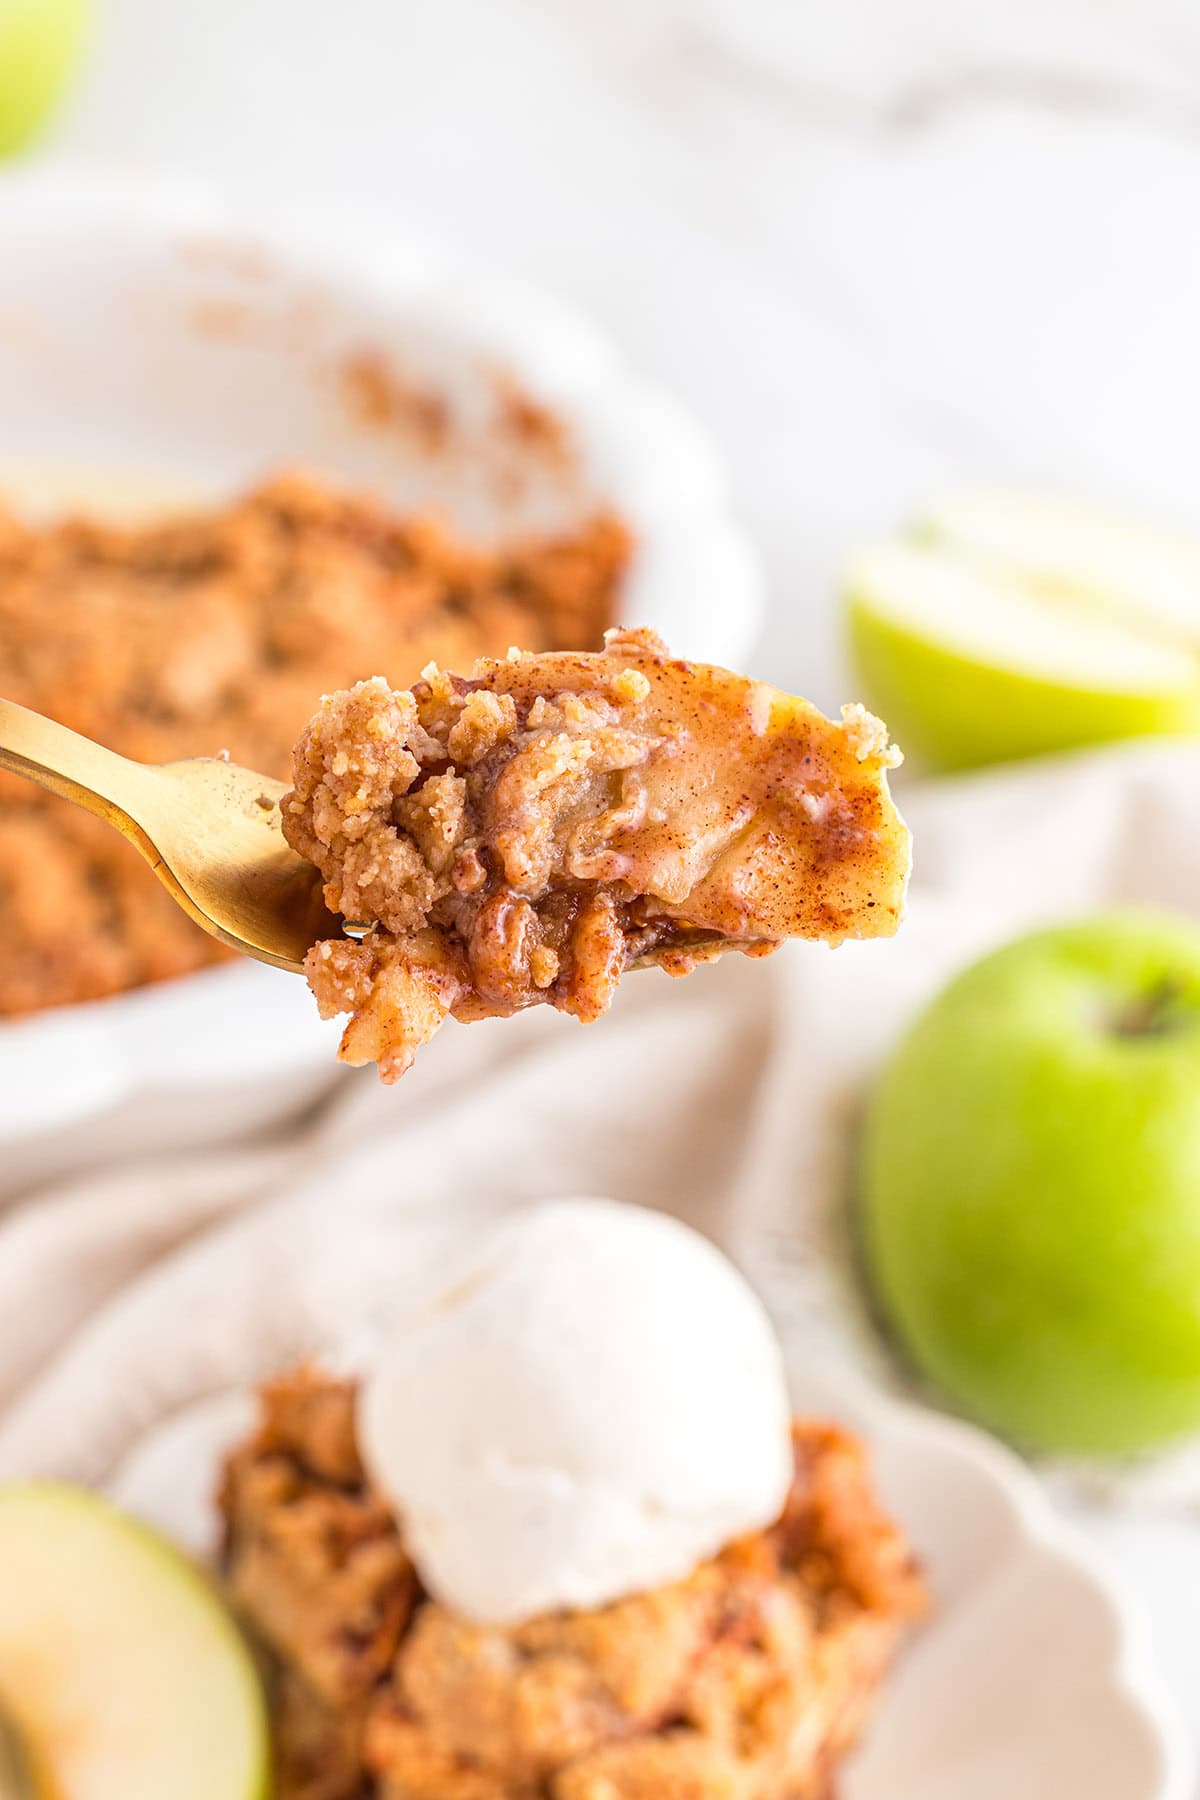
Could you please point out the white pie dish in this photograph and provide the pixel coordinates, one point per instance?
(1029, 1679)
(154, 341)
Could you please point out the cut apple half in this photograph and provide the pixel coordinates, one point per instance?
(121, 1672)
(1143, 575)
(1001, 627)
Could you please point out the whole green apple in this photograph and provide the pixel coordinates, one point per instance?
(1001, 626)
(39, 43)
(1030, 1186)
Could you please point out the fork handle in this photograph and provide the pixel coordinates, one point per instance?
(67, 763)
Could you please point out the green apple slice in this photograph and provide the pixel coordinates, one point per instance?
(1001, 628)
(1144, 575)
(122, 1671)
(40, 42)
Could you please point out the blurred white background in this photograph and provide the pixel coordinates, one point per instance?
(879, 247)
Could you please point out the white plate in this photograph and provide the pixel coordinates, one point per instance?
(156, 342)
(1027, 1683)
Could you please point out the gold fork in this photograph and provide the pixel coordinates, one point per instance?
(209, 829)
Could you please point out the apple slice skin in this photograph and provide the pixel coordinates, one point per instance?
(27, 1508)
(1029, 1195)
(952, 713)
(40, 41)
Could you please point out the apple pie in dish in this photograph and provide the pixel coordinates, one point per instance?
(747, 1680)
(528, 833)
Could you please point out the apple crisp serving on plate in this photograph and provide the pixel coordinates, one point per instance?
(528, 833)
(744, 1681)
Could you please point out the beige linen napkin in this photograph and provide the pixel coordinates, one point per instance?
(136, 1306)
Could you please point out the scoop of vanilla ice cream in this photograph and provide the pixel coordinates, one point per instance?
(586, 1404)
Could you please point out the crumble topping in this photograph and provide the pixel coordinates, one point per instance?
(215, 632)
(745, 1681)
(527, 833)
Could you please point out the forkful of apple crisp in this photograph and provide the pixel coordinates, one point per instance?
(521, 835)
(528, 833)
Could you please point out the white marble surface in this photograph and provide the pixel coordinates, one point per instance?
(878, 246)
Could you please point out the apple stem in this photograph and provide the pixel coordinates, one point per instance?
(1154, 1013)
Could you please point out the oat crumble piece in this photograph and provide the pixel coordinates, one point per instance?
(527, 833)
(745, 1681)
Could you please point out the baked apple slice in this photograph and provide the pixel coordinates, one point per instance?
(528, 833)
